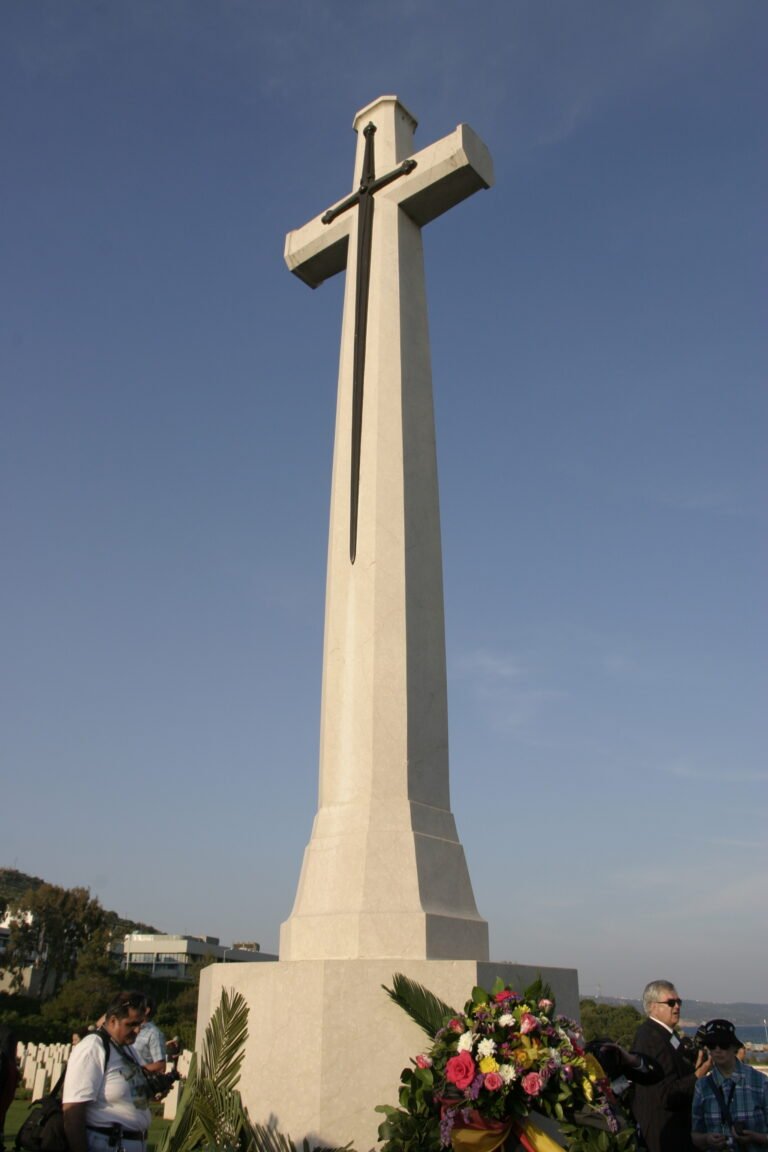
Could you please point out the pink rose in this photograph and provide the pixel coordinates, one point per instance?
(456, 1025)
(532, 1084)
(423, 1062)
(528, 1023)
(500, 997)
(460, 1070)
(545, 1005)
(492, 1081)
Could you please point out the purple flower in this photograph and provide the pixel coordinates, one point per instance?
(474, 1089)
(446, 1127)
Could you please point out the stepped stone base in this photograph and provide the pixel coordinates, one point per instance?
(326, 1044)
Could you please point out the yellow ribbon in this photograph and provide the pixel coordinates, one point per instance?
(538, 1138)
(477, 1140)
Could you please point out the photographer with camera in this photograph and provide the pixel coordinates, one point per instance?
(730, 1105)
(663, 1110)
(106, 1094)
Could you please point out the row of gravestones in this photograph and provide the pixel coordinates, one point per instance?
(41, 1066)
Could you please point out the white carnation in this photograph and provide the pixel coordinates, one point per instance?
(507, 1020)
(486, 1047)
(508, 1072)
(465, 1042)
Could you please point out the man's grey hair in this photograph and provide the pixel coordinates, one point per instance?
(656, 990)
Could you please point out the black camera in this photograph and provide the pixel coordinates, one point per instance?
(700, 1038)
(160, 1083)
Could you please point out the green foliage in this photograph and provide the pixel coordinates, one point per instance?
(14, 885)
(50, 928)
(79, 1003)
(538, 990)
(618, 1022)
(522, 1030)
(424, 1008)
(224, 1043)
(211, 1113)
(590, 1139)
(415, 1125)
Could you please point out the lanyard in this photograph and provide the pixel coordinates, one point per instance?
(725, 1105)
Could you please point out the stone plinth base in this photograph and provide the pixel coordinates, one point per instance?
(326, 1044)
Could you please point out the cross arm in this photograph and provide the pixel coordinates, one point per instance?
(318, 251)
(445, 174)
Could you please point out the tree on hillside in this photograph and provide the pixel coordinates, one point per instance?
(617, 1022)
(50, 925)
(82, 999)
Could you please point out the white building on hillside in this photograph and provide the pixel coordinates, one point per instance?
(171, 957)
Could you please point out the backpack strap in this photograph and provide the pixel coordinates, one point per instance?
(103, 1035)
(105, 1039)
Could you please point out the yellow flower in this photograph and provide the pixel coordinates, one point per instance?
(522, 1057)
(488, 1064)
(587, 1087)
(594, 1070)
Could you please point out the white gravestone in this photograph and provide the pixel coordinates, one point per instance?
(384, 886)
(40, 1085)
(30, 1071)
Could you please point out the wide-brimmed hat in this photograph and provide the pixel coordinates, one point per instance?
(721, 1033)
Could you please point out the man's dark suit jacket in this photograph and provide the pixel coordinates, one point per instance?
(663, 1110)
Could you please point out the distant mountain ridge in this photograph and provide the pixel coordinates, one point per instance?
(13, 885)
(697, 1011)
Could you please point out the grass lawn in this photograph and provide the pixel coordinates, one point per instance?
(19, 1109)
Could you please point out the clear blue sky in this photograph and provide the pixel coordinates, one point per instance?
(599, 355)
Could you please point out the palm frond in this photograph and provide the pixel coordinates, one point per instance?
(224, 1042)
(423, 1007)
(221, 1115)
(176, 1136)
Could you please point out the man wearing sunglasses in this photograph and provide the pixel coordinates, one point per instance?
(663, 1110)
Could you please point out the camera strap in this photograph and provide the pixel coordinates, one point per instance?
(725, 1105)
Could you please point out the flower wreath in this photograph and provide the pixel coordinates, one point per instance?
(489, 1067)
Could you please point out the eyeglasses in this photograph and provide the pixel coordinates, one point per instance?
(133, 1002)
(673, 1002)
(723, 1045)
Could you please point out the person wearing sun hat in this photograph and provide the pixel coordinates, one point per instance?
(730, 1105)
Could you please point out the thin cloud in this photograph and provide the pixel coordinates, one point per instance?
(489, 665)
(711, 502)
(684, 770)
(502, 688)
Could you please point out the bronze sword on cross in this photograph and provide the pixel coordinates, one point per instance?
(363, 198)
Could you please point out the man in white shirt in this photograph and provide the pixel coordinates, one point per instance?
(105, 1099)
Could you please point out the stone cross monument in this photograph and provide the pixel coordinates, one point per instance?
(384, 873)
(384, 886)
